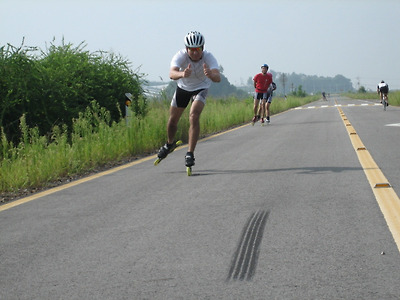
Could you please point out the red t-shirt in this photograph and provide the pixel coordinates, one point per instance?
(262, 82)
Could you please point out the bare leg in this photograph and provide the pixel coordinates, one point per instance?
(262, 109)
(194, 119)
(267, 108)
(255, 109)
(175, 114)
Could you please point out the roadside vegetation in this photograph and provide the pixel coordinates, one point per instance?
(52, 86)
(34, 161)
(62, 115)
(394, 96)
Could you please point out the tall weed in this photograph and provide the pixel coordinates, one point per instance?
(96, 139)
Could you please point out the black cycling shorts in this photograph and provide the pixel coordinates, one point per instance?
(182, 97)
(384, 89)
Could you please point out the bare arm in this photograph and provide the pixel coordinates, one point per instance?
(175, 74)
(213, 74)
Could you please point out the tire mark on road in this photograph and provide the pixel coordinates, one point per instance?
(245, 259)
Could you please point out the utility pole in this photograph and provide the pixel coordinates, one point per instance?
(283, 80)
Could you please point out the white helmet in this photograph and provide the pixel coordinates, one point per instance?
(194, 39)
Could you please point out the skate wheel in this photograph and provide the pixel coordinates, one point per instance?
(189, 171)
(178, 143)
(157, 161)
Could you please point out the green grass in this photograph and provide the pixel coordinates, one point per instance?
(95, 141)
(394, 97)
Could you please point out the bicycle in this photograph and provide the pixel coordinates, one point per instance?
(384, 101)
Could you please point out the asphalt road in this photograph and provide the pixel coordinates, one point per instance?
(282, 211)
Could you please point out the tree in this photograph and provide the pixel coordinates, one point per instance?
(362, 90)
(283, 79)
(250, 81)
(299, 92)
(313, 84)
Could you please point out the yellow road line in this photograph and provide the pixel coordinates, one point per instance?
(385, 195)
(86, 179)
(100, 174)
(74, 183)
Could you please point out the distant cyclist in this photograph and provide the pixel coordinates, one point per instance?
(383, 90)
(324, 96)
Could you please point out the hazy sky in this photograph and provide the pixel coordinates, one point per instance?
(359, 39)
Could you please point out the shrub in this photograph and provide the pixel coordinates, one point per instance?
(51, 87)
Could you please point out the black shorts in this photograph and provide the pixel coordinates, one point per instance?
(269, 96)
(384, 89)
(260, 96)
(264, 96)
(182, 98)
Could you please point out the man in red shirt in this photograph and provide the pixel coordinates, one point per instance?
(262, 82)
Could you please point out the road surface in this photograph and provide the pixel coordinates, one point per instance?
(283, 211)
